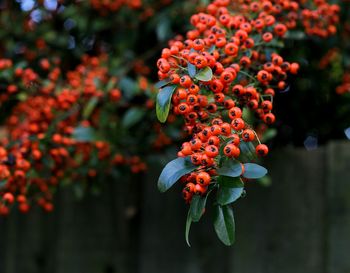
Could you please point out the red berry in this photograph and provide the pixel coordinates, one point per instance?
(261, 150)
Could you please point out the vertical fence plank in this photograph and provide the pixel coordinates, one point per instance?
(281, 228)
(24, 252)
(339, 207)
(163, 247)
(94, 233)
(83, 236)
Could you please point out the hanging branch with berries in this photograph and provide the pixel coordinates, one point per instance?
(228, 66)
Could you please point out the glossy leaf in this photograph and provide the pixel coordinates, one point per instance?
(163, 29)
(162, 83)
(269, 134)
(295, 35)
(254, 171)
(224, 224)
(90, 107)
(230, 182)
(265, 181)
(191, 70)
(226, 195)
(188, 227)
(211, 49)
(84, 134)
(163, 102)
(205, 74)
(231, 168)
(173, 171)
(129, 87)
(3, 184)
(197, 207)
(132, 117)
(247, 151)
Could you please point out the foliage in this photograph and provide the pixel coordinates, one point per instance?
(76, 94)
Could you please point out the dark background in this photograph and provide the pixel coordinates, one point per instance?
(298, 224)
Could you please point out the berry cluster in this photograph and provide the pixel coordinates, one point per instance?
(322, 20)
(70, 112)
(227, 66)
(51, 135)
(114, 5)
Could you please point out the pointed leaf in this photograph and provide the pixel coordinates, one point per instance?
(197, 207)
(2, 184)
(265, 181)
(227, 195)
(295, 35)
(268, 135)
(254, 171)
(230, 182)
(129, 87)
(163, 29)
(163, 102)
(230, 167)
(162, 83)
(247, 151)
(224, 224)
(173, 171)
(191, 70)
(205, 74)
(132, 116)
(211, 49)
(188, 227)
(90, 107)
(84, 134)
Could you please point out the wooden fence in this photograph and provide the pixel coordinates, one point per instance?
(300, 224)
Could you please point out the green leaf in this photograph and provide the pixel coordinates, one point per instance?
(230, 182)
(247, 115)
(224, 224)
(84, 134)
(21, 64)
(248, 53)
(191, 70)
(227, 195)
(205, 74)
(265, 181)
(295, 35)
(6, 74)
(188, 227)
(132, 117)
(129, 87)
(231, 168)
(197, 207)
(22, 96)
(89, 108)
(2, 184)
(163, 29)
(162, 83)
(254, 171)
(99, 25)
(269, 134)
(247, 151)
(276, 43)
(163, 102)
(211, 49)
(173, 171)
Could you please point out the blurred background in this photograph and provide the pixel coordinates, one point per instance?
(91, 205)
